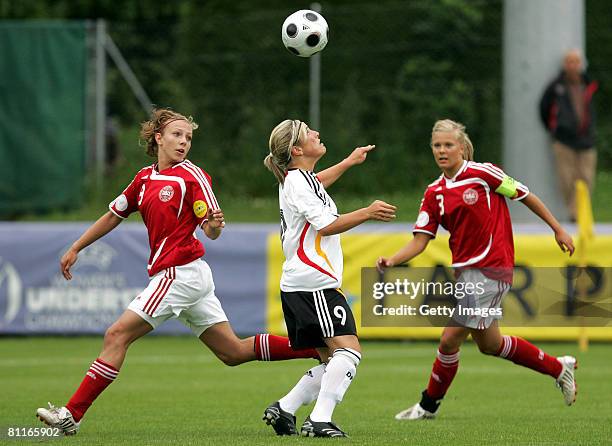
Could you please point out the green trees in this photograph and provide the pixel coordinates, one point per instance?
(391, 68)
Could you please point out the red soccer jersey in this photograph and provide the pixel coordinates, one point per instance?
(172, 203)
(476, 217)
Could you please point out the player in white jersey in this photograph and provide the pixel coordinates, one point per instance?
(316, 312)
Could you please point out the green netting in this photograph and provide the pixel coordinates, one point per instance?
(42, 115)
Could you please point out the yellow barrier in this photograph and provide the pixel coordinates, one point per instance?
(363, 249)
(584, 214)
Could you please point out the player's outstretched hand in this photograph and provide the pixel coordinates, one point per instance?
(216, 220)
(360, 154)
(382, 263)
(379, 210)
(565, 242)
(66, 262)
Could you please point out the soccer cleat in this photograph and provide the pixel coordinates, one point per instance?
(566, 381)
(281, 421)
(321, 429)
(415, 412)
(58, 417)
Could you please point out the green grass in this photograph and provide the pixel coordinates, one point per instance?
(173, 391)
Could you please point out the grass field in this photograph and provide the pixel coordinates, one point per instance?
(173, 391)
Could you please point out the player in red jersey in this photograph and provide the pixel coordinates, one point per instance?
(174, 197)
(469, 200)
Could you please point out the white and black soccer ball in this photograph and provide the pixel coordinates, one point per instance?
(305, 33)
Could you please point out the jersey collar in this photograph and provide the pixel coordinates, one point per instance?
(459, 172)
(156, 166)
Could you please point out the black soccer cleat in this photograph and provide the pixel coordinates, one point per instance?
(321, 429)
(281, 421)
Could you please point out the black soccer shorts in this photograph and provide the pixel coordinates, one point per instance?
(313, 315)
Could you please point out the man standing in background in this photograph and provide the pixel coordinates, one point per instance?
(567, 112)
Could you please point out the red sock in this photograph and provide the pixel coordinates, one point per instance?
(444, 370)
(97, 378)
(278, 348)
(526, 354)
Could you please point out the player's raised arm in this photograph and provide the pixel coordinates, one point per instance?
(537, 206)
(100, 228)
(331, 174)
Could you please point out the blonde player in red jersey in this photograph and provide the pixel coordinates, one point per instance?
(469, 200)
(174, 197)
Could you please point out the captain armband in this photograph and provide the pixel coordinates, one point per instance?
(508, 187)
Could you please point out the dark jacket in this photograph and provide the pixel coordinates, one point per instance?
(558, 115)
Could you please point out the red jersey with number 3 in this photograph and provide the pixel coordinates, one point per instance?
(173, 203)
(476, 217)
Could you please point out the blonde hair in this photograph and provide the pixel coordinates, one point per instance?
(160, 118)
(447, 125)
(283, 138)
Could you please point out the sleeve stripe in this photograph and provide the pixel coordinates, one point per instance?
(110, 208)
(204, 184)
(310, 182)
(491, 172)
(198, 171)
(318, 186)
(199, 180)
(495, 168)
(520, 197)
(491, 168)
(522, 187)
(426, 232)
(488, 170)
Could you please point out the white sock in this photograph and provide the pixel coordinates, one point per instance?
(337, 378)
(305, 391)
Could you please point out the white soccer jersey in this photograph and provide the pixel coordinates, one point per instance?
(312, 262)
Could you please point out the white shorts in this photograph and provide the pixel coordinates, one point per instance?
(480, 308)
(186, 292)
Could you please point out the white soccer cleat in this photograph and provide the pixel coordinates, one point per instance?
(566, 381)
(58, 417)
(415, 412)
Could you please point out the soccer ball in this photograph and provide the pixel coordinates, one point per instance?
(305, 33)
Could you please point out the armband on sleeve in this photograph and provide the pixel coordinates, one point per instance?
(508, 187)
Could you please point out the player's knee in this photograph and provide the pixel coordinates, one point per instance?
(488, 349)
(349, 354)
(231, 359)
(448, 345)
(116, 335)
